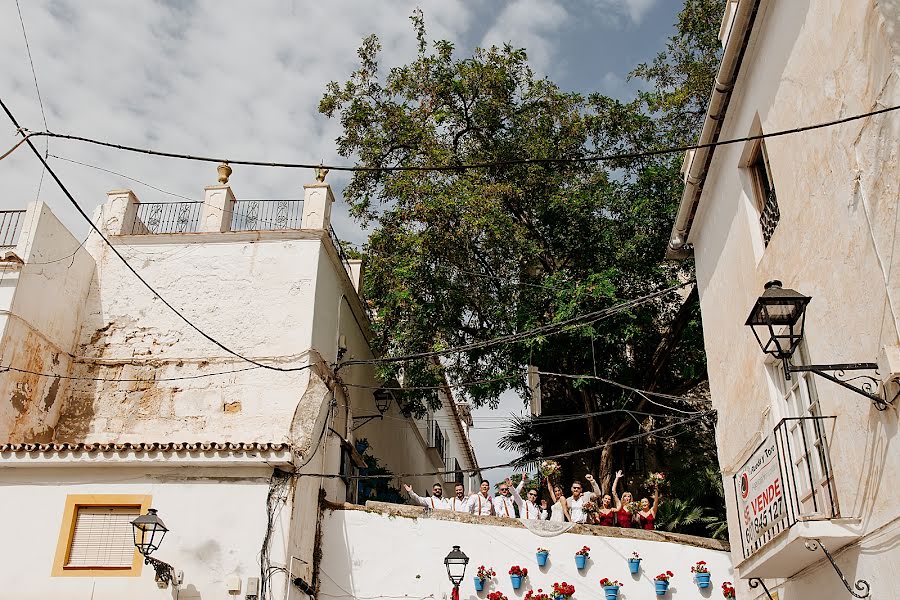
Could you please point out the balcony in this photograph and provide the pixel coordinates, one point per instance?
(435, 442)
(10, 227)
(452, 473)
(785, 496)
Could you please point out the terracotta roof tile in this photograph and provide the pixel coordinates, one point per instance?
(97, 447)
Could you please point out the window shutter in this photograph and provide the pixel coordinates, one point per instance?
(103, 537)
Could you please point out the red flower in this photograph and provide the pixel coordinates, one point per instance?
(517, 570)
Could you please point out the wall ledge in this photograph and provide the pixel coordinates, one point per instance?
(417, 512)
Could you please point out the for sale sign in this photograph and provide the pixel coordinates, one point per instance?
(760, 492)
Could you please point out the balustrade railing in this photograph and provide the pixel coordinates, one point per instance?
(452, 474)
(263, 215)
(166, 217)
(342, 254)
(10, 227)
(787, 479)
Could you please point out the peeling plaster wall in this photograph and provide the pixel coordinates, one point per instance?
(216, 519)
(41, 311)
(367, 555)
(837, 239)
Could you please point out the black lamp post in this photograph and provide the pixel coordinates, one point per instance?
(777, 320)
(383, 400)
(456, 563)
(149, 531)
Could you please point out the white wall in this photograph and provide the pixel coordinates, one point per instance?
(216, 520)
(366, 554)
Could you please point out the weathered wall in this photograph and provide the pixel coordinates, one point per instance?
(216, 520)
(367, 554)
(40, 318)
(837, 190)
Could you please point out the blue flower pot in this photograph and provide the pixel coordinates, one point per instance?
(516, 581)
(702, 579)
(634, 565)
(479, 584)
(580, 559)
(661, 587)
(612, 592)
(542, 558)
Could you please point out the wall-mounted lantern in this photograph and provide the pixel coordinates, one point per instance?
(149, 531)
(383, 399)
(777, 320)
(456, 563)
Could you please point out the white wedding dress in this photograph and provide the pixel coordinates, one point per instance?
(556, 513)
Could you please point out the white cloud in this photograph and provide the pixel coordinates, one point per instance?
(530, 24)
(613, 11)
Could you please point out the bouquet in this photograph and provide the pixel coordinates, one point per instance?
(664, 576)
(585, 551)
(607, 582)
(549, 468)
(539, 595)
(562, 590)
(635, 556)
(589, 508)
(498, 595)
(700, 567)
(633, 507)
(655, 479)
(728, 590)
(517, 570)
(485, 572)
(539, 550)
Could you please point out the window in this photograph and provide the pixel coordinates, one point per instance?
(766, 201)
(96, 536)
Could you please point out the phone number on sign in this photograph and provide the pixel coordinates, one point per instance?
(764, 520)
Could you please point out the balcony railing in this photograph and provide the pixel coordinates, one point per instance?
(452, 473)
(342, 254)
(166, 217)
(787, 479)
(262, 215)
(10, 227)
(435, 437)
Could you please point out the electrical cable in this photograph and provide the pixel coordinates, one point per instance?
(4, 368)
(469, 166)
(115, 251)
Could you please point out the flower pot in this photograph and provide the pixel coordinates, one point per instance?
(479, 584)
(612, 592)
(542, 558)
(580, 559)
(516, 581)
(702, 579)
(661, 587)
(634, 565)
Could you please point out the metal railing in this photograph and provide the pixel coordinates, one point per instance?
(452, 473)
(262, 215)
(788, 479)
(436, 438)
(166, 217)
(10, 227)
(769, 216)
(340, 249)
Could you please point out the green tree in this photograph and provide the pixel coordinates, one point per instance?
(465, 255)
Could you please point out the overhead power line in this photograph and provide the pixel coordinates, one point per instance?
(115, 251)
(467, 166)
(126, 380)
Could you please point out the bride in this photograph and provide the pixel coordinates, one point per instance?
(559, 512)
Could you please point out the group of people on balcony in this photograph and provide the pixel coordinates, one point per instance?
(587, 507)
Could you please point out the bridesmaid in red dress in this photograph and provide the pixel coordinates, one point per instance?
(606, 514)
(623, 516)
(647, 515)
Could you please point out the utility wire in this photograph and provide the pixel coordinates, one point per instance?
(132, 269)
(31, 62)
(4, 368)
(469, 166)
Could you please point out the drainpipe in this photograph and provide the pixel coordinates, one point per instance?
(697, 161)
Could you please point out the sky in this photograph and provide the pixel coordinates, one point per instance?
(244, 79)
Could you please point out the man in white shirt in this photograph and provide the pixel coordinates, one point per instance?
(435, 502)
(459, 502)
(579, 497)
(481, 504)
(504, 506)
(528, 508)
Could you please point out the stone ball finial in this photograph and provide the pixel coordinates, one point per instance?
(224, 173)
(321, 172)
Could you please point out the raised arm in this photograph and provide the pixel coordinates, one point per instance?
(550, 489)
(616, 493)
(594, 485)
(517, 492)
(415, 497)
(655, 500)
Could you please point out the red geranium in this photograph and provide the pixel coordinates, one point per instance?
(485, 572)
(728, 590)
(562, 590)
(664, 576)
(585, 552)
(700, 567)
(517, 570)
(539, 595)
(498, 595)
(607, 582)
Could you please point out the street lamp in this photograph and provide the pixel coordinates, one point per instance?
(383, 398)
(777, 321)
(149, 531)
(456, 563)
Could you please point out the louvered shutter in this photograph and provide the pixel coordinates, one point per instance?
(103, 537)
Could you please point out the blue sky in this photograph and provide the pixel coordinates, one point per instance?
(243, 79)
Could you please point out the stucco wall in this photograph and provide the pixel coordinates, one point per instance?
(216, 520)
(42, 308)
(837, 191)
(367, 554)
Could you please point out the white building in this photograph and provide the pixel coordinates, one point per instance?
(113, 404)
(817, 210)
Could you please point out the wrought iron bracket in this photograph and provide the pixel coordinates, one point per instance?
(860, 584)
(363, 419)
(165, 573)
(867, 387)
(755, 582)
